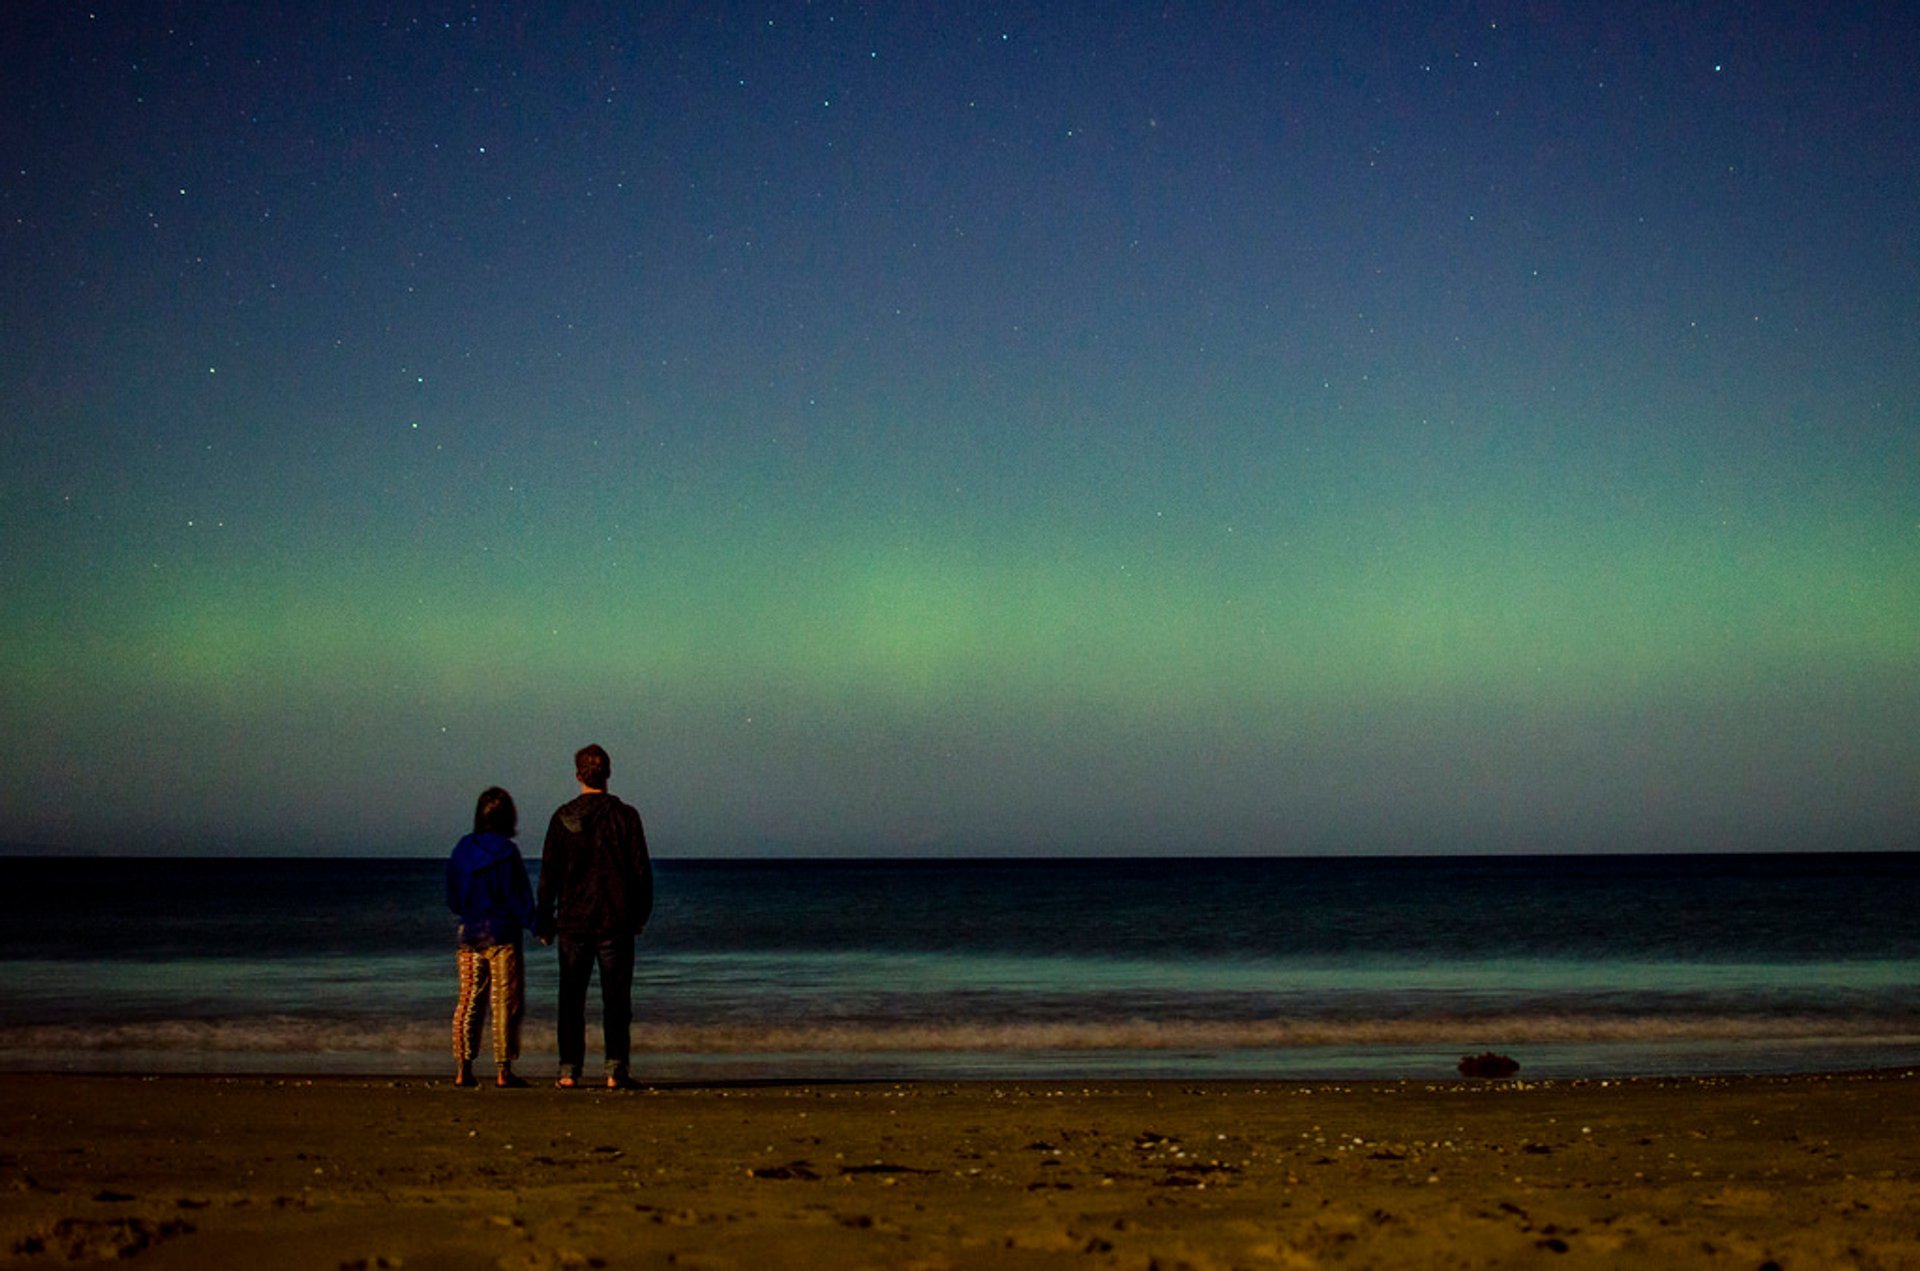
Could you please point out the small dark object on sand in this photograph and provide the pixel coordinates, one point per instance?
(1488, 1064)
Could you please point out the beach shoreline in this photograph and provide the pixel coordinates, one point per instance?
(337, 1171)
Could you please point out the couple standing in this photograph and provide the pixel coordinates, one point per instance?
(596, 894)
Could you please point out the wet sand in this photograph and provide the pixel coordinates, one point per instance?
(1801, 1172)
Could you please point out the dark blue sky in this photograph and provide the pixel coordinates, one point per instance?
(1023, 428)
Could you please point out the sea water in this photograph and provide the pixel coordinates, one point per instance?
(831, 969)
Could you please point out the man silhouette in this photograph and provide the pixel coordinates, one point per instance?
(596, 894)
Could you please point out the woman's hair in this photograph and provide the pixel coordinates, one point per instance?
(495, 813)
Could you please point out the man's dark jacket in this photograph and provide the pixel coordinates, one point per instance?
(596, 879)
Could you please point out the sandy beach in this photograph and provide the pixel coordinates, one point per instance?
(206, 1172)
(1819, 1171)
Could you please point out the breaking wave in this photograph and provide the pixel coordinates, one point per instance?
(295, 1036)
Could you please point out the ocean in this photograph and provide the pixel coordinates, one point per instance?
(1043, 969)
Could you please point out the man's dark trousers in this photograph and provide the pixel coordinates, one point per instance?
(578, 954)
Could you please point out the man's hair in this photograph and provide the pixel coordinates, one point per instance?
(592, 767)
(494, 813)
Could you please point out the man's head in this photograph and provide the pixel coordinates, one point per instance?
(592, 767)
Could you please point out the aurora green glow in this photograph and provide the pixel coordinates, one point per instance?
(1474, 431)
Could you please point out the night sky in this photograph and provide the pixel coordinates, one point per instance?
(952, 429)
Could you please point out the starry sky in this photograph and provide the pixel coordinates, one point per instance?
(1026, 428)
